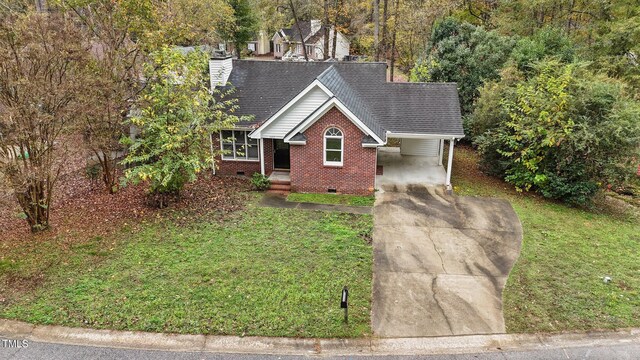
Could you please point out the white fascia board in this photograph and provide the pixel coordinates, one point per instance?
(256, 134)
(296, 142)
(238, 128)
(333, 102)
(393, 135)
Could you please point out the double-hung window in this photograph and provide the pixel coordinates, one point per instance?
(333, 147)
(237, 145)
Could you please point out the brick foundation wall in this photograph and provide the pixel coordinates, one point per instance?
(232, 167)
(309, 174)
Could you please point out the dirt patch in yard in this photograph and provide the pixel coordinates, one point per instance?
(82, 209)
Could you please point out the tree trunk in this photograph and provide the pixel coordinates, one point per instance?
(376, 28)
(383, 40)
(393, 40)
(295, 18)
(327, 25)
(35, 205)
(238, 50)
(335, 27)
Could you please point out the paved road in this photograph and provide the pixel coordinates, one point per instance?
(37, 350)
(441, 263)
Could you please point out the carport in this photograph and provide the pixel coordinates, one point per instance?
(417, 161)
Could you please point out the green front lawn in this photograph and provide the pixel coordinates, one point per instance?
(557, 284)
(334, 199)
(261, 271)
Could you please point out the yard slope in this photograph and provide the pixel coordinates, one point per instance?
(557, 284)
(259, 271)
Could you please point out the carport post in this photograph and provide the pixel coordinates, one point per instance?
(450, 163)
(441, 152)
(262, 156)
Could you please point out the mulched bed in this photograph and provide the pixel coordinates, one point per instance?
(83, 209)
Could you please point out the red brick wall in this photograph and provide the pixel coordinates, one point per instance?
(231, 167)
(309, 174)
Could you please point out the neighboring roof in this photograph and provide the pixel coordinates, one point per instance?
(292, 34)
(305, 29)
(264, 87)
(286, 32)
(314, 38)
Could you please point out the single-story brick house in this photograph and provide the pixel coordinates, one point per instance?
(324, 124)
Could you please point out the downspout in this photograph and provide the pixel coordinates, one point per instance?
(213, 158)
(262, 156)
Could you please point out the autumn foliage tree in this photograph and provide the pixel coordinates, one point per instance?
(113, 79)
(177, 114)
(41, 73)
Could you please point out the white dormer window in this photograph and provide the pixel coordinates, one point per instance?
(333, 147)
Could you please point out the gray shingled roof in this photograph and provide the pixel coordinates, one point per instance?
(305, 29)
(351, 98)
(264, 87)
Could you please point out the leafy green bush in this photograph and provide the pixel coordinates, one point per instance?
(260, 182)
(566, 132)
(177, 115)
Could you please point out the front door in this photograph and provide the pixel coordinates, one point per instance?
(281, 158)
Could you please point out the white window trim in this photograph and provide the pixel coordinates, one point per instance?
(232, 157)
(324, 152)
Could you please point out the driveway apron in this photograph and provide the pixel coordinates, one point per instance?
(441, 263)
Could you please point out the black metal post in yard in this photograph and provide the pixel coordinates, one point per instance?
(344, 303)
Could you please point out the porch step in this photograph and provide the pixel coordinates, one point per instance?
(282, 187)
(280, 182)
(279, 192)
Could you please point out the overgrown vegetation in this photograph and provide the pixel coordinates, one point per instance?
(177, 115)
(260, 182)
(564, 132)
(544, 118)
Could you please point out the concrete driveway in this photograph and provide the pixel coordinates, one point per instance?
(441, 262)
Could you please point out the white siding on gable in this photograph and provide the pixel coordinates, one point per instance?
(421, 147)
(295, 114)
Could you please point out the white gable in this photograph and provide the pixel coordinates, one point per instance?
(295, 114)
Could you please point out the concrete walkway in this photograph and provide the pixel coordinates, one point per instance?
(479, 344)
(280, 201)
(441, 263)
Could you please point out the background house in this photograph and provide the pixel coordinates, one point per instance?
(313, 33)
(260, 45)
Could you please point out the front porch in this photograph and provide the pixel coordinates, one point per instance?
(280, 182)
(402, 171)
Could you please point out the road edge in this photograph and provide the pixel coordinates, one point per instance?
(330, 347)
